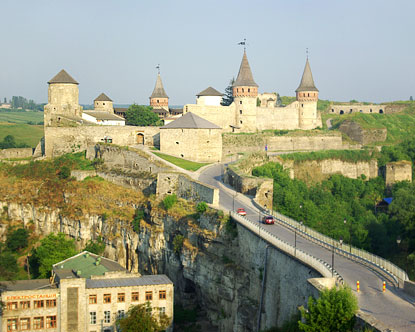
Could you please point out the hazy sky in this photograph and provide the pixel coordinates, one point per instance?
(359, 49)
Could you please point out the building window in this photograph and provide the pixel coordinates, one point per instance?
(240, 102)
(240, 121)
(149, 296)
(50, 303)
(121, 297)
(11, 305)
(120, 314)
(12, 324)
(240, 111)
(134, 296)
(38, 304)
(249, 90)
(103, 103)
(92, 317)
(162, 295)
(158, 101)
(24, 304)
(92, 299)
(50, 322)
(177, 142)
(107, 316)
(24, 324)
(38, 323)
(107, 298)
(162, 310)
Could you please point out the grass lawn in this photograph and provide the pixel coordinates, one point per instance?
(23, 133)
(34, 117)
(183, 163)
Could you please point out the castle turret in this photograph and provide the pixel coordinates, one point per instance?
(307, 96)
(103, 103)
(63, 99)
(159, 98)
(245, 92)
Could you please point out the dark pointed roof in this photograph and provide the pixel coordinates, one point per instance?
(63, 77)
(158, 91)
(210, 92)
(245, 77)
(307, 82)
(102, 97)
(191, 121)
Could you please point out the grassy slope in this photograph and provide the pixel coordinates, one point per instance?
(23, 133)
(183, 163)
(399, 125)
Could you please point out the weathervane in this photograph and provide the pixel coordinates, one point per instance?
(243, 43)
(158, 68)
(306, 52)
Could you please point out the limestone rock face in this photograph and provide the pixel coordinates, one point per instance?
(217, 270)
(361, 135)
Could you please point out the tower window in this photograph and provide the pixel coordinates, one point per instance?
(240, 111)
(240, 121)
(158, 101)
(249, 90)
(240, 102)
(243, 90)
(309, 95)
(103, 103)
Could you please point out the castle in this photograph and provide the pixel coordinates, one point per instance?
(251, 112)
(69, 128)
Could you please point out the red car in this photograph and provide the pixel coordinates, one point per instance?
(241, 212)
(268, 220)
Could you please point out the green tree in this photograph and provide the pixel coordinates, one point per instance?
(140, 319)
(17, 239)
(96, 247)
(228, 96)
(334, 310)
(138, 115)
(52, 249)
(8, 264)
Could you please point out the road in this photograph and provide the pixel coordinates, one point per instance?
(394, 308)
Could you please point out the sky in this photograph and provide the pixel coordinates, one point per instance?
(358, 49)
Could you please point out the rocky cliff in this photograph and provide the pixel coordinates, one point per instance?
(215, 264)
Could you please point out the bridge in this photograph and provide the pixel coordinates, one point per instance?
(393, 309)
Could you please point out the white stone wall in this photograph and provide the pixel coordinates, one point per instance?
(223, 116)
(208, 100)
(278, 117)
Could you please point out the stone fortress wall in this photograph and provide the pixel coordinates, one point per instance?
(356, 108)
(60, 140)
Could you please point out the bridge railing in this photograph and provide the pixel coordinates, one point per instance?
(319, 265)
(346, 249)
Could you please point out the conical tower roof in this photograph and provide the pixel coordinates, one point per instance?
(63, 77)
(307, 82)
(245, 77)
(102, 97)
(158, 91)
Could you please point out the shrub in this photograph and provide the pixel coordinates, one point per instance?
(201, 207)
(333, 311)
(138, 216)
(96, 247)
(178, 243)
(169, 201)
(17, 239)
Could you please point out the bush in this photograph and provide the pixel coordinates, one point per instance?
(138, 216)
(178, 243)
(201, 207)
(96, 247)
(169, 201)
(333, 311)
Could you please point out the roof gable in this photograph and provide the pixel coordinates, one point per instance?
(210, 92)
(191, 121)
(63, 77)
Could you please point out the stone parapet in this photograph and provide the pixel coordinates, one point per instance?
(398, 171)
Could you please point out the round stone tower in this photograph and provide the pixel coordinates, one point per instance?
(307, 97)
(159, 98)
(245, 92)
(63, 99)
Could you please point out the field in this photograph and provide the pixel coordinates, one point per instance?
(23, 133)
(30, 117)
(183, 163)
